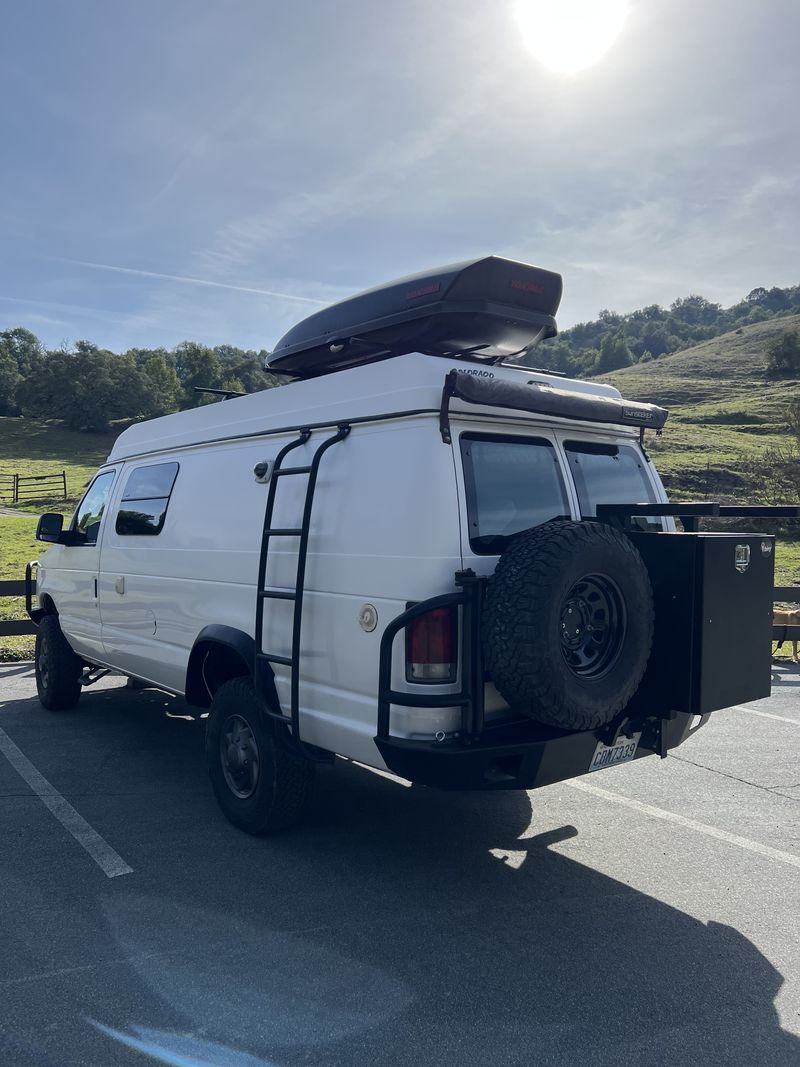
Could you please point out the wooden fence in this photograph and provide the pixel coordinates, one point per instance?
(23, 488)
(8, 488)
(15, 627)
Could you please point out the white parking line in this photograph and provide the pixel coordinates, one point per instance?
(690, 824)
(764, 714)
(111, 863)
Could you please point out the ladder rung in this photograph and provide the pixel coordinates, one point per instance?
(278, 532)
(276, 594)
(291, 470)
(274, 658)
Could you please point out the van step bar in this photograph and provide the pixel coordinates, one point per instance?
(265, 683)
(90, 675)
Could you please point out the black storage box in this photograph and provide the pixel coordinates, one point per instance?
(485, 308)
(713, 620)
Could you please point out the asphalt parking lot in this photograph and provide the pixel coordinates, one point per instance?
(647, 915)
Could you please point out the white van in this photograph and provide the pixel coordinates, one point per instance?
(415, 555)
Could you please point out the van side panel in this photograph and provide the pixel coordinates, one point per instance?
(199, 570)
(384, 531)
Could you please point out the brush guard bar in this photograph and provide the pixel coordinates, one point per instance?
(507, 755)
(469, 698)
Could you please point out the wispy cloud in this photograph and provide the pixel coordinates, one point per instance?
(354, 192)
(193, 281)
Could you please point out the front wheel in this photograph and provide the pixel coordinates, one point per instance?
(58, 669)
(260, 784)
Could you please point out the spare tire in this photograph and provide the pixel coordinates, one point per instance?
(568, 623)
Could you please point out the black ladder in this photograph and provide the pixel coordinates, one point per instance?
(265, 685)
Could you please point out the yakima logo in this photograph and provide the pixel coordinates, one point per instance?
(527, 287)
(635, 413)
(426, 290)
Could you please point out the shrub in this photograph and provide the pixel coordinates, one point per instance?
(783, 354)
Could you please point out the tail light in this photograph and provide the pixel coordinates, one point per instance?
(432, 646)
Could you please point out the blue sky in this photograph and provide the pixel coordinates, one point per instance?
(309, 150)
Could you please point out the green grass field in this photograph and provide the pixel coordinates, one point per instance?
(33, 448)
(17, 546)
(30, 448)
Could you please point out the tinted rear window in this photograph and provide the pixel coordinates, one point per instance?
(610, 474)
(512, 483)
(145, 500)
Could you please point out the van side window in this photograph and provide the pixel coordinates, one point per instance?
(611, 474)
(145, 499)
(512, 483)
(89, 513)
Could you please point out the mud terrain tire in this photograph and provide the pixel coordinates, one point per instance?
(568, 623)
(261, 785)
(57, 667)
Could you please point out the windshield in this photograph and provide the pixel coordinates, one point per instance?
(89, 513)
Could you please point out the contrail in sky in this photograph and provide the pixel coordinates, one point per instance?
(193, 281)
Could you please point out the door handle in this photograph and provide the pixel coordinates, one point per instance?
(119, 584)
(95, 589)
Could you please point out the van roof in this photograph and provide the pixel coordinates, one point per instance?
(408, 384)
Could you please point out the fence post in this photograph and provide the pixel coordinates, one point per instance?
(16, 488)
(64, 481)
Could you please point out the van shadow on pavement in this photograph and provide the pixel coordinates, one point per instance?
(382, 932)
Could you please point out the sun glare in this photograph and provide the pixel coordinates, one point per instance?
(568, 35)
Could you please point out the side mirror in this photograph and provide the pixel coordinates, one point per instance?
(49, 527)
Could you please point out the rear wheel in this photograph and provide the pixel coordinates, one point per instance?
(261, 785)
(58, 669)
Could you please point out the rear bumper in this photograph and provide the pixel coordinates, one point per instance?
(522, 755)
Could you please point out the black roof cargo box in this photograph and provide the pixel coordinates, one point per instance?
(484, 308)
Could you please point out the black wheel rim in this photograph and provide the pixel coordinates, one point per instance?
(592, 626)
(238, 754)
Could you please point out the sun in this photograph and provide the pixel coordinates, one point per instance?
(568, 35)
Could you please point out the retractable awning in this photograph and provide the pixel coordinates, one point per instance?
(540, 399)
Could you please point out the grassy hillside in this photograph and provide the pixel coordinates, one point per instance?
(727, 436)
(726, 413)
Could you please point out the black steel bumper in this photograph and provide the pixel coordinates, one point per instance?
(523, 755)
(520, 755)
(711, 650)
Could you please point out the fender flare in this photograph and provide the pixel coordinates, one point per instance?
(238, 642)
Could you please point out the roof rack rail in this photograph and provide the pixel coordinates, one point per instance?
(226, 394)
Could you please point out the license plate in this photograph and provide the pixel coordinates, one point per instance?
(610, 755)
